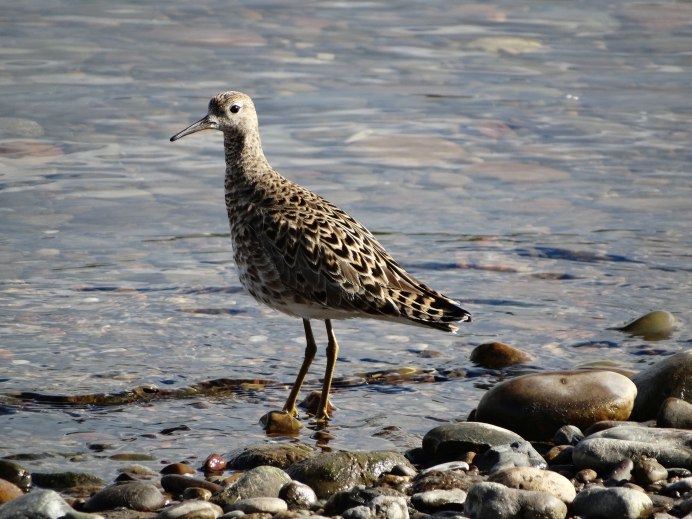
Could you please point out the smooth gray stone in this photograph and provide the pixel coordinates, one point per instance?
(614, 503)
(263, 481)
(531, 478)
(516, 454)
(670, 377)
(448, 442)
(197, 509)
(41, 504)
(435, 500)
(495, 501)
(257, 505)
(137, 495)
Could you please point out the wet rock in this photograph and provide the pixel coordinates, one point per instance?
(620, 503)
(653, 326)
(143, 497)
(15, 473)
(359, 495)
(178, 468)
(281, 455)
(41, 504)
(568, 435)
(191, 510)
(531, 478)
(9, 491)
(67, 480)
(670, 377)
(447, 480)
(438, 500)
(676, 413)
(496, 355)
(259, 505)
(278, 422)
(215, 463)
(176, 485)
(448, 442)
(132, 456)
(605, 449)
(336, 471)
(536, 405)
(495, 501)
(516, 454)
(648, 470)
(261, 481)
(298, 496)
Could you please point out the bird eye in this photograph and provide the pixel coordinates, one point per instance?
(235, 109)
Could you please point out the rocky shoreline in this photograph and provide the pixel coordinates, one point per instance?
(546, 445)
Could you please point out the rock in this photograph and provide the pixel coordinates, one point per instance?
(298, 496)
(605, 449)
(448, 442)
(496, 355)
(15, 473)
(278, 422)
(536, 405)
(676, 413)
(281, 455)
(648, 470)
(437, 500)
(358, 512)
(259, 505)
(67, 480)
(9, 491)
(568, 435)
(261, 481)
(615, 503)
(670, 377)
(679, 487)
(444, 467)
(389, 507)
(622, 473)
(178, 468)
(516, 454)
(202, 494)
(559, 455)
(495, 501)
(653, 326)
(143, 497)
(176, 485)
(531, 478)
(191, 510)
(359, 495)
(447, 480)
(215, 463)
(336, 471)
(41, 504)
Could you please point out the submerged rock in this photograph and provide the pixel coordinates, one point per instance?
(653, 326)
(495, 355)
(536, 405)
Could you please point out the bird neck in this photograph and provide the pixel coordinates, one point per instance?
(245, 159)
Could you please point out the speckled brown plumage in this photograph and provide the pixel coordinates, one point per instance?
(302, 255)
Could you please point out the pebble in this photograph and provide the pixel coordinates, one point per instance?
(495, 501)
(621, 473)
(359, 495)
(670, 377)
(336, 471)
(653, 326)
(298, 496)
(143, 497)
(648, 470)
(605, 449)
(176, 484)
(516, 454)
(197, 493)
(41, 504)
(615, 503)
(15, 473)
(264, 481)
(191, 510)
(536, 405)
(178, 468)
(437, 500)
(448, 442)
(215, 463)
(9, 491)
(531, 478)
(568, 435)
(259, 505)
(496, 355)
(676, 413)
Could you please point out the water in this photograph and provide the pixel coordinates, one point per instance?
(530, 158)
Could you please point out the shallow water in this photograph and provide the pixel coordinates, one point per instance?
(531, 159)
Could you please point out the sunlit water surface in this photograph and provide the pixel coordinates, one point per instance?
(531, 159)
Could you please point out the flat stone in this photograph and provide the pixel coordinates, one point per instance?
(261, 481)
(495, 501)
(336, 471)
(191, 510)
(448, 442)
(259, 505)
(143, 497)
(436, 500)
(670, 377)
(531, 478)
(537, 405)
(603, 450)
(66, 480)
(41, 504)
(515, 454)
(280, 455)
(619, 502)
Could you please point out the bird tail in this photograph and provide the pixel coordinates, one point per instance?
(429, 308)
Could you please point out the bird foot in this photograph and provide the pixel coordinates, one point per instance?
(280, 423)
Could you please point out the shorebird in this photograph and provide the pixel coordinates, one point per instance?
(300, 254)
